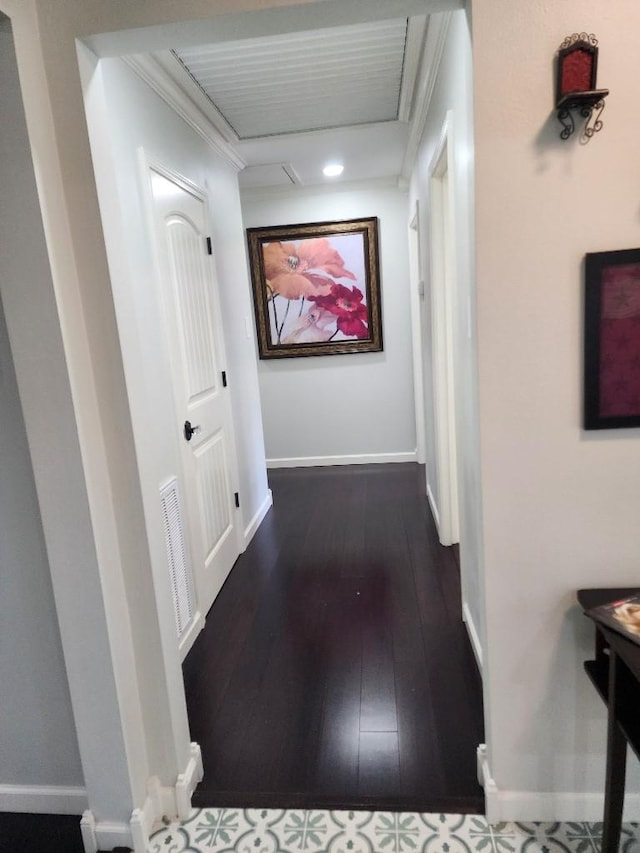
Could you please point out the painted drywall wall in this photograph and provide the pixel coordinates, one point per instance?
(38, 744)
(452, 104)
(49, 419)
(343, 407)
(560, 505)
(146, 123)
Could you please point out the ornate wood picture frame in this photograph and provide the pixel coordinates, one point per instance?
(316, 288)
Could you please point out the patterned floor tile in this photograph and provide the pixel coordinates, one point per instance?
(317, 831)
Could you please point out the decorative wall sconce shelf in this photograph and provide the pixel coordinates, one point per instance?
(590, 104)
(576, 85)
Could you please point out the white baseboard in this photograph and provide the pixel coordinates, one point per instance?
(353, 459)
(43, 799)
(105, 835)
(433, 505)
(257, 519)
(161, 802)
(544, 806)
(474, 637)
(187, 782)
(191, 633)
(142, 822)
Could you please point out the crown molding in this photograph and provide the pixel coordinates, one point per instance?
(175, 68)
(434, 43)
(180, 92)
(416, 33)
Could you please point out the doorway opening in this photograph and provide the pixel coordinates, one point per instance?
(282, 584)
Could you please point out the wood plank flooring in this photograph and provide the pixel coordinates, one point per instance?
(334, 670)
(40, 833)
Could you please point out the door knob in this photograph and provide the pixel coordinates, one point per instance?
(190, 431)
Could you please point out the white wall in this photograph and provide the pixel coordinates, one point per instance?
(40, 761)
(345, 407)
(137, 119)
(561, 506)
(38, 744)
(452, 101)
(129, 726)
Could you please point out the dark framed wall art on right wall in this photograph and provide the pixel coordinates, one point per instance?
(612, 340)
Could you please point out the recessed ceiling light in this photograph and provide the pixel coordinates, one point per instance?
(333, 170)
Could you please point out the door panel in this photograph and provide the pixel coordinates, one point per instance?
(191, 284)
(215, 495)
(195, 338)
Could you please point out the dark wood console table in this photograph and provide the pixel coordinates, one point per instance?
(615, 673)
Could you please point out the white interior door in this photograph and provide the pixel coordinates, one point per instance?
(202, 405)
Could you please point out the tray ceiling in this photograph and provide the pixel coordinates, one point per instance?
(320, 79)
(280, 107)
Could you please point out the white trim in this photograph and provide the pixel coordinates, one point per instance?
(187, 782)
(105, 835)
(443, 295)
(355, 459)
(257, 519)
(148, 163)
(149, 69)
(170, 64)
(161, 801)
(544, 806)
(551, 806)
(171, 801)
(433, 505)
(141, 824)
(474, 637)
(43, 799)
(190, 633)
(482, 769)
(416, 34)
(437, 30)
(417, 298)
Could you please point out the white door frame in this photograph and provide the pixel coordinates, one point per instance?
(417, 295)
(443, 294)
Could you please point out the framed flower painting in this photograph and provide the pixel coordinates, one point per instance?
(316, 288)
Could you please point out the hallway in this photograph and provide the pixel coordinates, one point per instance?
(334, 669)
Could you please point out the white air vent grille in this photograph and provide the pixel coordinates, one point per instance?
(179, 569)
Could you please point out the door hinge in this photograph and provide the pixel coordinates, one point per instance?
(236, 497)
(209, 247)
(224, 378)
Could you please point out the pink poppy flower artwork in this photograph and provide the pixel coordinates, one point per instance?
(316, 288)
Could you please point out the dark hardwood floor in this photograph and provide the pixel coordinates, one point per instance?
(40, 833)
(334, 669)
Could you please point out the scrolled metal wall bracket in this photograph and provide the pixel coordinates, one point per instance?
(577, 67)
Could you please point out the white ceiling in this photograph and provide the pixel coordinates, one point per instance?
(304, 81)
(287, 104)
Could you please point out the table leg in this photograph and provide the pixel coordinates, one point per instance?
(616, 765)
